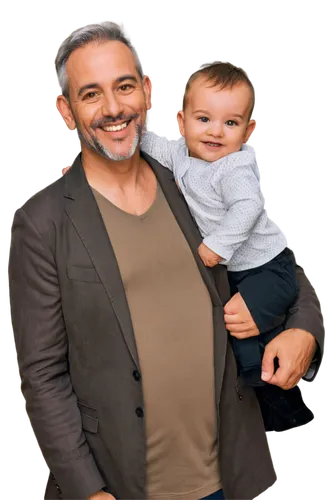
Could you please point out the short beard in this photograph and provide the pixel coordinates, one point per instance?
(95, 145)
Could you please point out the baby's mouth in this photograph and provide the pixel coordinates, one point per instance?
(213, 144)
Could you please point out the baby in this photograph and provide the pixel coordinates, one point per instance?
(217, 173)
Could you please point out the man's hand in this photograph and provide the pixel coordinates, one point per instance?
(101, 495)
(238, 319)
(294, 349)
(208, 257)
(64, 169)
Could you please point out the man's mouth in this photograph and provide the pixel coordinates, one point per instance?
(115, 128)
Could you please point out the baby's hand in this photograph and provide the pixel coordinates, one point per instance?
(208, 257)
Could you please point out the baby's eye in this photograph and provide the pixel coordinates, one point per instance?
(231, 123)
(204, 119)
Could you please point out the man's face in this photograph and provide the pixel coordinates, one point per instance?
(216, 122)
(108, 101)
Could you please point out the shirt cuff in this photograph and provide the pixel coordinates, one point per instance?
(313, 368)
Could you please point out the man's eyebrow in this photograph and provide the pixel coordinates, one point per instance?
(127, 77)
(96, 85)
(86, 87)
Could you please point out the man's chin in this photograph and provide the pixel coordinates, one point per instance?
(120, 153)
(120, 150)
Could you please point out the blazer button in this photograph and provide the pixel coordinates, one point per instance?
(136, 375)
(139, 411)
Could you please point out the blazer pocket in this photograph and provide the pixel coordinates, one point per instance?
(83, 274)
(89, 418)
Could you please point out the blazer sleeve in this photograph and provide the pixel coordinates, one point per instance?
(42, 345)
(305, 314)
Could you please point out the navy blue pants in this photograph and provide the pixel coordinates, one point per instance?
(268, 291)
(215, 496)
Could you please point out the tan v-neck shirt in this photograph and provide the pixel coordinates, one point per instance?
(171, 313)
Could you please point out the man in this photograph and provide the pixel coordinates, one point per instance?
(130, 383)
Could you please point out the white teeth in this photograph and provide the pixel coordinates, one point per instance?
(115, 128)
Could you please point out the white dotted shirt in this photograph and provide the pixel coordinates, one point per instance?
(225, 199)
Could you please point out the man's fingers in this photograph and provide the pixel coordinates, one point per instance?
(239, 327)
(64, 170)
(243, 335)
(284, 379)
(267, 365)
(280, 377)
(237, 319)
(231, 306)
(233, 319)
(285, 376)
(208, 262)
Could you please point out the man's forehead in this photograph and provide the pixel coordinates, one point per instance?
(107, 59)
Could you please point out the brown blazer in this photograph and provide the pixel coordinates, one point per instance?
(78, 358)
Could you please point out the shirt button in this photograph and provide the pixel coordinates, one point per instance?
(136, 375)
(139, 412)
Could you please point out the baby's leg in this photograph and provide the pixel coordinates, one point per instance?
(268, 292)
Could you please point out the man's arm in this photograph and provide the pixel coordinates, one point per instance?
(41, 342)
(299, 348)
(159, 148)
(305, 314)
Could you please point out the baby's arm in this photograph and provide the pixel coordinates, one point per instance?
(159, 148)
(240, 190)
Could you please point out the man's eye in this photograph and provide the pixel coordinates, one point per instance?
(204, 119)
(231, 123)
(90, 95)
(126, 87)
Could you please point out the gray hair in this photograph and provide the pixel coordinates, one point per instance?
(102, 32)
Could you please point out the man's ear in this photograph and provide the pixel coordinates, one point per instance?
(66, 112)
(250, 128)
(146, 83)
(181, 122)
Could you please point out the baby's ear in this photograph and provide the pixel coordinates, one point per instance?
(250, 128)
(181, 122)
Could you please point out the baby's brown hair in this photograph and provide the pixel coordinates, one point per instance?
(222, 74)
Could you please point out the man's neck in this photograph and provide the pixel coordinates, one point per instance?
(129, 184)
(101, 171)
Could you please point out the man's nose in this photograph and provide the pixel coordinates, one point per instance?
(112, 106)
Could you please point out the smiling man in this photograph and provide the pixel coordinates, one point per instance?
(130, 383)
(107, 102)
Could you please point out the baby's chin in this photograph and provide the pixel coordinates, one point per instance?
(211, 153)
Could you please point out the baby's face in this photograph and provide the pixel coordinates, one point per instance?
(215, 122)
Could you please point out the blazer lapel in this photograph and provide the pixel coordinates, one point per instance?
(84, 214)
